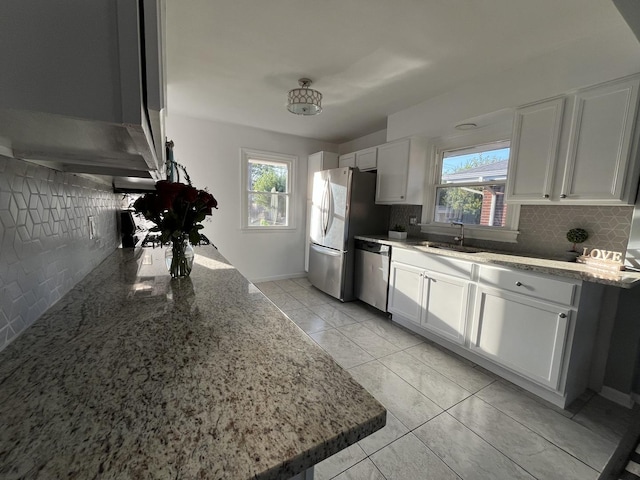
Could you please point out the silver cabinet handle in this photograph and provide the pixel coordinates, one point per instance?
(518, 284)
(422, 274)
(563, 315)
(563, 195)
(546, 195)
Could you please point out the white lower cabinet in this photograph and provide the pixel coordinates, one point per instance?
(406, 284)
(432, 300)
(445, 311)
(536, 330)
(522, 334)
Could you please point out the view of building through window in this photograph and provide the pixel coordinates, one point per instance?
(268, 193)
(472, 184)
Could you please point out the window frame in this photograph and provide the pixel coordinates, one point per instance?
(507, 233)
(291, 161)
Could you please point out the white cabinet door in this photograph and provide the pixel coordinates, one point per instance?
(534, 151)
(402, 167)
(600, 144)
(406, 284)
(446, 306)
(393, 169)
(347, 160)
(99, 107)
(367, 159)
(597, 148)
(521, 334)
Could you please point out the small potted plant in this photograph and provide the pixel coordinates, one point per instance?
(575, 236)
(398, 232)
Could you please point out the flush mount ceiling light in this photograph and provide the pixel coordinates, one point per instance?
(466, 126)
(304, 100)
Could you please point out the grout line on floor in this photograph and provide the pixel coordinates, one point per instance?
(536, 433)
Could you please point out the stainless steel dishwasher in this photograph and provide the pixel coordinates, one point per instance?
(372, 273)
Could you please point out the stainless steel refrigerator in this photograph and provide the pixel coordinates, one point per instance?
(343, 206)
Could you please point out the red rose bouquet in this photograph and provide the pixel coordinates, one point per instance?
(177, 209)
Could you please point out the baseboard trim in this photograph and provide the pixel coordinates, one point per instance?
(616, 396)
(286, 276)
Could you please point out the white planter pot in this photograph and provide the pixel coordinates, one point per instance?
(397, 235)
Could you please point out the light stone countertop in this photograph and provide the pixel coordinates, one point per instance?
(573, 270)
(132, 375)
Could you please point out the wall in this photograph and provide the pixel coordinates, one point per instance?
(211, 152)
(543, 228)
(577, 64)
(371, 140)
(44, 230)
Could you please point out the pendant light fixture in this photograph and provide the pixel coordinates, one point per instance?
(304, 100)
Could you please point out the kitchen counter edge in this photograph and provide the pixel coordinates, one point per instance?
(530, 263)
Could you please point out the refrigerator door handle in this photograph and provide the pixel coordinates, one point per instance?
(326, 223)
(326, 200)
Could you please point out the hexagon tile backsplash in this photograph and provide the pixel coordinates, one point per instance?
(45, 247)
(543, 228)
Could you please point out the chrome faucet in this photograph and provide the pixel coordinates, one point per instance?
(459, 238)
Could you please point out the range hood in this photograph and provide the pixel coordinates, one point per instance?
(85, 91)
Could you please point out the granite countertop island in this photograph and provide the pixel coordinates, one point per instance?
(132, 375)
(578, 271)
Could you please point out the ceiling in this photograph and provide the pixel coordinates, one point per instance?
(234, 61)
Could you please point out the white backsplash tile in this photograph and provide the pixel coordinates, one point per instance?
(44, 233)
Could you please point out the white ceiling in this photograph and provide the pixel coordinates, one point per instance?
(235, 60)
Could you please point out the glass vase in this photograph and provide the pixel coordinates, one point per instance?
(179, 257)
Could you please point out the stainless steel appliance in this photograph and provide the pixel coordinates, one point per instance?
(342, 206)
(372, 273)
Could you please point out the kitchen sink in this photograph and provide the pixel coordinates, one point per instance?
(449, 247)
(457, 248)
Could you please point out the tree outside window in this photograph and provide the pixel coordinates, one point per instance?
(268, 190)
(477, 198)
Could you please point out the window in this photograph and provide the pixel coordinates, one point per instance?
(471, 185)
(468, 186)
(267, 190)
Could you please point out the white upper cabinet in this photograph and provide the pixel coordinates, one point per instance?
(86, 86)
(587, 159)
(367, 159)
(598, 159)
(401, 171)
(534, 151)
(347, 160)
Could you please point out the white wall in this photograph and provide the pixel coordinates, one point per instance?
(578, 64)
(211, 152)
(371, 140)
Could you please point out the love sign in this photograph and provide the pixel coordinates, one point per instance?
(602, 254)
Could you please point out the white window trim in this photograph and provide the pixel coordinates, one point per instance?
(508, 234)
(291, 161)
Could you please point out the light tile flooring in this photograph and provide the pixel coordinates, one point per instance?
(447, 417)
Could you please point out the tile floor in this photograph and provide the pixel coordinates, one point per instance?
(447, 417)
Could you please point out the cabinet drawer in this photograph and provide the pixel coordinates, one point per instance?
(434, 263)
(542, 287)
